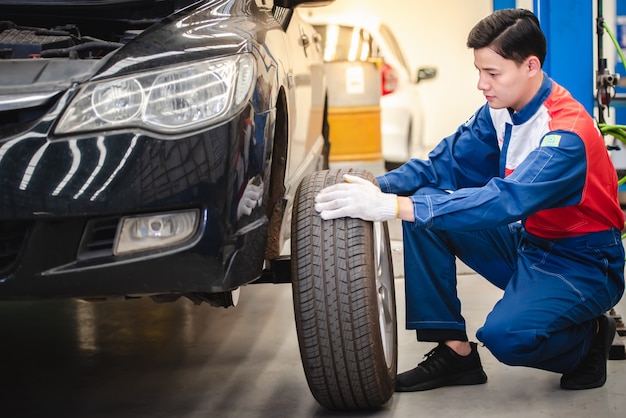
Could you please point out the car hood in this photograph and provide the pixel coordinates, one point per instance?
(75, 2)
(78, 3)
(159, 33)
(127, 9)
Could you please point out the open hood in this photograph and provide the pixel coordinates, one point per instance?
(78, 28)
(107, 9)
(79, 3)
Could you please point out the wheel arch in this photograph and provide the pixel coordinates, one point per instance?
(278, 170)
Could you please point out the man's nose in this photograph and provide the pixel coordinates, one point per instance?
(482, 84)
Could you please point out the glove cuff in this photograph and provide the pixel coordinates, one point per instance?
(389, 208)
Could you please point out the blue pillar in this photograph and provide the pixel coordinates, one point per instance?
(504, 4)
(620, 34)
(569, 27)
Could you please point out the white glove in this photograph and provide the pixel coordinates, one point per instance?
(356, 198)
(251, 198)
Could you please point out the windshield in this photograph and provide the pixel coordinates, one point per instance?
(347, 43)
(393, 44)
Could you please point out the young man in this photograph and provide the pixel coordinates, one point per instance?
(525, 194)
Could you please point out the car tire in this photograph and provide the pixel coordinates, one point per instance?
(344, 302)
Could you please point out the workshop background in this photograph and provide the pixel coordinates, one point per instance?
(435, 32)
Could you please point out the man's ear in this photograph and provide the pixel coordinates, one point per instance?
(533, 64)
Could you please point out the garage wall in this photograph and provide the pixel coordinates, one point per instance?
(433, 33)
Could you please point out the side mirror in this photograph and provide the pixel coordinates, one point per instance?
(426, 73)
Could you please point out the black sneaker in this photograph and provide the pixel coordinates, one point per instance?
(591, 373)
(443, 367)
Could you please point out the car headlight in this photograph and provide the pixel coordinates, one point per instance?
(170, 100)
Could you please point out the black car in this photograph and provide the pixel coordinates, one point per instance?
(156, 148)
(137, 142)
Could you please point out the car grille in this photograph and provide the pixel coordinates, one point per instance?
(15, 121)
(98, 239)
(12, 238)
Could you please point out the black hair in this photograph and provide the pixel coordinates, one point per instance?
(514, 34)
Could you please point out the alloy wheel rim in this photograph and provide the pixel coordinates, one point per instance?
(383, 293)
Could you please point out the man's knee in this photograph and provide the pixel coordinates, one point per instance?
(508, 344)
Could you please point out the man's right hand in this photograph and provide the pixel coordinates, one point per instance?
(356, 198)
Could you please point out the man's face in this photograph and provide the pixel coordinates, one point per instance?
(504, 83)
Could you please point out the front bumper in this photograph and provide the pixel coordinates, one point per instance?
(61, 201)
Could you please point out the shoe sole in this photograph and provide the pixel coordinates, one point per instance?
(608, 342)
(474, 377)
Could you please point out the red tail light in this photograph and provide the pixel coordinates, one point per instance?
(389, 80)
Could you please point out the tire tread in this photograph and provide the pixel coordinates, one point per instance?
(335, 304)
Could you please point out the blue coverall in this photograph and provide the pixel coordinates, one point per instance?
(528, 200)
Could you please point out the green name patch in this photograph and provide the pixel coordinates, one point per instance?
(551, 141)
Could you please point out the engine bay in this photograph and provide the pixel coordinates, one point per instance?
(20, 42)
(82, 30)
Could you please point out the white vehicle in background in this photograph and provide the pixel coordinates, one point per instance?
(351, 38)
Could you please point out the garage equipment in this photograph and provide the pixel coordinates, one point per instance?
(605, 92)
(354, 112)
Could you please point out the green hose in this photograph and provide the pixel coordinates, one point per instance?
(616, 131)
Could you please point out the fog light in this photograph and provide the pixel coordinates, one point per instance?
(146, 232)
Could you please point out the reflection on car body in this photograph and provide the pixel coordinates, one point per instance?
(154, 147)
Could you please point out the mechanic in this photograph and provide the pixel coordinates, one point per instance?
(525, 194)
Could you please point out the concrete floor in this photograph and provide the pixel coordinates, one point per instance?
(140, 359)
